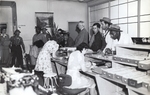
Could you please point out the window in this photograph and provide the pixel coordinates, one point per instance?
(133, 16)
(97, 12)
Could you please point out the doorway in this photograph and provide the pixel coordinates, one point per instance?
(72, 29)
(5, 8)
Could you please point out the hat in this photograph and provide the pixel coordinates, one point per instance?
(17, 31)
(114, 27)
(105, 19)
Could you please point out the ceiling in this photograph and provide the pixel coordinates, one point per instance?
(84, 1)
(77, 0)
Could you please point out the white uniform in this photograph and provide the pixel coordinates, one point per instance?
(125, 39)
(75, 64)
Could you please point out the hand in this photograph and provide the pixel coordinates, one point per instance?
(84, 51)
(89, 51)
(108, 51)
(100, 51)
(24, 54)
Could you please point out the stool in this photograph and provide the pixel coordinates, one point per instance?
(48, 81)
(66, 80)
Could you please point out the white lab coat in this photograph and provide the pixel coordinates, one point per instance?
(125, 39)
(75, 64)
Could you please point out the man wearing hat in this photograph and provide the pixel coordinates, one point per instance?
(105, 22)
(16, 46)
(117, 37)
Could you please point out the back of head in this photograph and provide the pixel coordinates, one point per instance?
(51, 46)
(82, 46)
(77, 28)
(39, 43)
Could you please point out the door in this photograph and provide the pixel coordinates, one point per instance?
(72, 29)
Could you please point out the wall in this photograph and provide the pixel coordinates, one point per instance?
(6, 17)
(69, 12)
(64, 12)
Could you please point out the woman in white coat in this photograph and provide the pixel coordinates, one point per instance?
(75, 64)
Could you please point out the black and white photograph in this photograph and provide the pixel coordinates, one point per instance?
(74, 47)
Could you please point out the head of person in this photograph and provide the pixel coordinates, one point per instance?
(51, 46)
(17, 32)
(106, 22)
(44, 30)
(38, 29)
(82, 46)
(39, 43)
(61, 32)
(96, 27)
(3, 30)
(115, 32)
(77, 29)
(66, 36)
(81, 25)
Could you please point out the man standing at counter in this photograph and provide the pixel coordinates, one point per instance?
(82, 35)
(117, 37)
(105, 22)
(97, 41)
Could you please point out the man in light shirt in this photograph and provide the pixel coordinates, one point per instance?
(117, 37)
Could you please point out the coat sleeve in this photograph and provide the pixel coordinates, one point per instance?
(82, 37)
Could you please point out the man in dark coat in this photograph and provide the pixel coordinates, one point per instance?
(83, 35)
(97, 41)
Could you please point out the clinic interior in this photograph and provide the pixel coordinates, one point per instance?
(58, 18)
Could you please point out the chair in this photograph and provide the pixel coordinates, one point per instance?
(66, 80)
(49, 80)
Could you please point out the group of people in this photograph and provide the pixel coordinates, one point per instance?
(104, 37)
(11, 48)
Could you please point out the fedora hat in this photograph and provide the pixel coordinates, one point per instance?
(114, 27)
(106, 19)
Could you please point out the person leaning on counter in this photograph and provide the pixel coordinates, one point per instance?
(117, 37)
